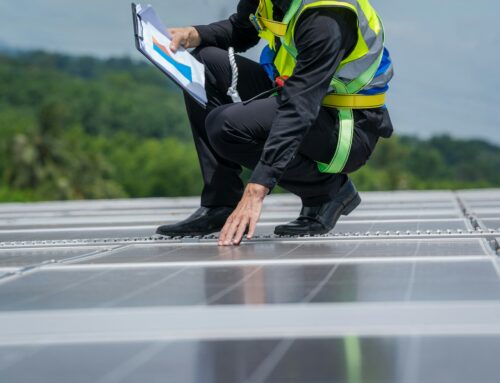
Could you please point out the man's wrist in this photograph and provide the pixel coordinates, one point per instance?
(194, 37)
(257, 190)
(204, 31)
(265, 175)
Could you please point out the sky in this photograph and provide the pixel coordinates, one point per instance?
(446, 53)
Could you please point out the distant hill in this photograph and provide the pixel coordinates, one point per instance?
(81, 127)
(103, 96)
(6, 49)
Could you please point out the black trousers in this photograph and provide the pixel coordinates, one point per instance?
(228, 136)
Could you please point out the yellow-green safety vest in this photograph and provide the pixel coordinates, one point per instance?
(359, 72)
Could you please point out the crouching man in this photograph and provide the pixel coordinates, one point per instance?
(315, 114)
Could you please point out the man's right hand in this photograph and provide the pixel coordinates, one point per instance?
(184, 37)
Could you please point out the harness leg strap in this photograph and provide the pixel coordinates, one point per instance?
(344, 143)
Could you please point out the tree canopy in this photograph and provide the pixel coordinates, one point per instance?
(79, 127)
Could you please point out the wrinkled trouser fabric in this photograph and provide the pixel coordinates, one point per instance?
(228, 136)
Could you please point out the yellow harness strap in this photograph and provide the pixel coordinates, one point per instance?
(263, 21)
(262, 24)
(354, 101)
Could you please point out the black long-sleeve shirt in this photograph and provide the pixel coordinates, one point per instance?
(323, 38)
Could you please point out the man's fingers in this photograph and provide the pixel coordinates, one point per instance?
(231, 231)
(241, 231)
(176, 42)
(186, 37)
(251, 227)
(179, 38)
(223, 236)
(223, 232)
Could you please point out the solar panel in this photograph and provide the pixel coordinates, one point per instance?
(406, 289)
(34, 256)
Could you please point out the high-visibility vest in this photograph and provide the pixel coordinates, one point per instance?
(362, 78)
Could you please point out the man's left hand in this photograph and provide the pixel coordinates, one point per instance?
(246, 215)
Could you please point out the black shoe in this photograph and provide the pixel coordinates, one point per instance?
(204, 221)
(321, 219)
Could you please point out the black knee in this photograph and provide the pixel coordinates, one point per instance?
(221, 128)
(217, 71)
(216, 126)
(209, 55)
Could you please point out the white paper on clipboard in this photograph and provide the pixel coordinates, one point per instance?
(153, 41)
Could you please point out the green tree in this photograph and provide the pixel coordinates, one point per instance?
(56, 165)
(80, 127)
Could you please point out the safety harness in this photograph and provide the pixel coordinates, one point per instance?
(344, 96)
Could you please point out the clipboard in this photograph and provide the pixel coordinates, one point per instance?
(152, 40)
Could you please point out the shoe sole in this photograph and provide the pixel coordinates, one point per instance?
(348, 209)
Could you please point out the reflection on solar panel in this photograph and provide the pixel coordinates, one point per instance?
(406, 289)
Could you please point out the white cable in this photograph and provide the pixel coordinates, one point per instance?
(232, 91)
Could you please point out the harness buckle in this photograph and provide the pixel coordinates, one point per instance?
(256, 23)
(280, 81)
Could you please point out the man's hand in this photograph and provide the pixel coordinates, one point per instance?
(186, 37)
(246, 215)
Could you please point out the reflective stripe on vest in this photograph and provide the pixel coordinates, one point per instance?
(369, 46)
(355, 73)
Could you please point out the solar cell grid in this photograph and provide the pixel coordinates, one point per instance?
(134, 362)
(77, 287)
(27, 257)
(306, 251)
(418, 305)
